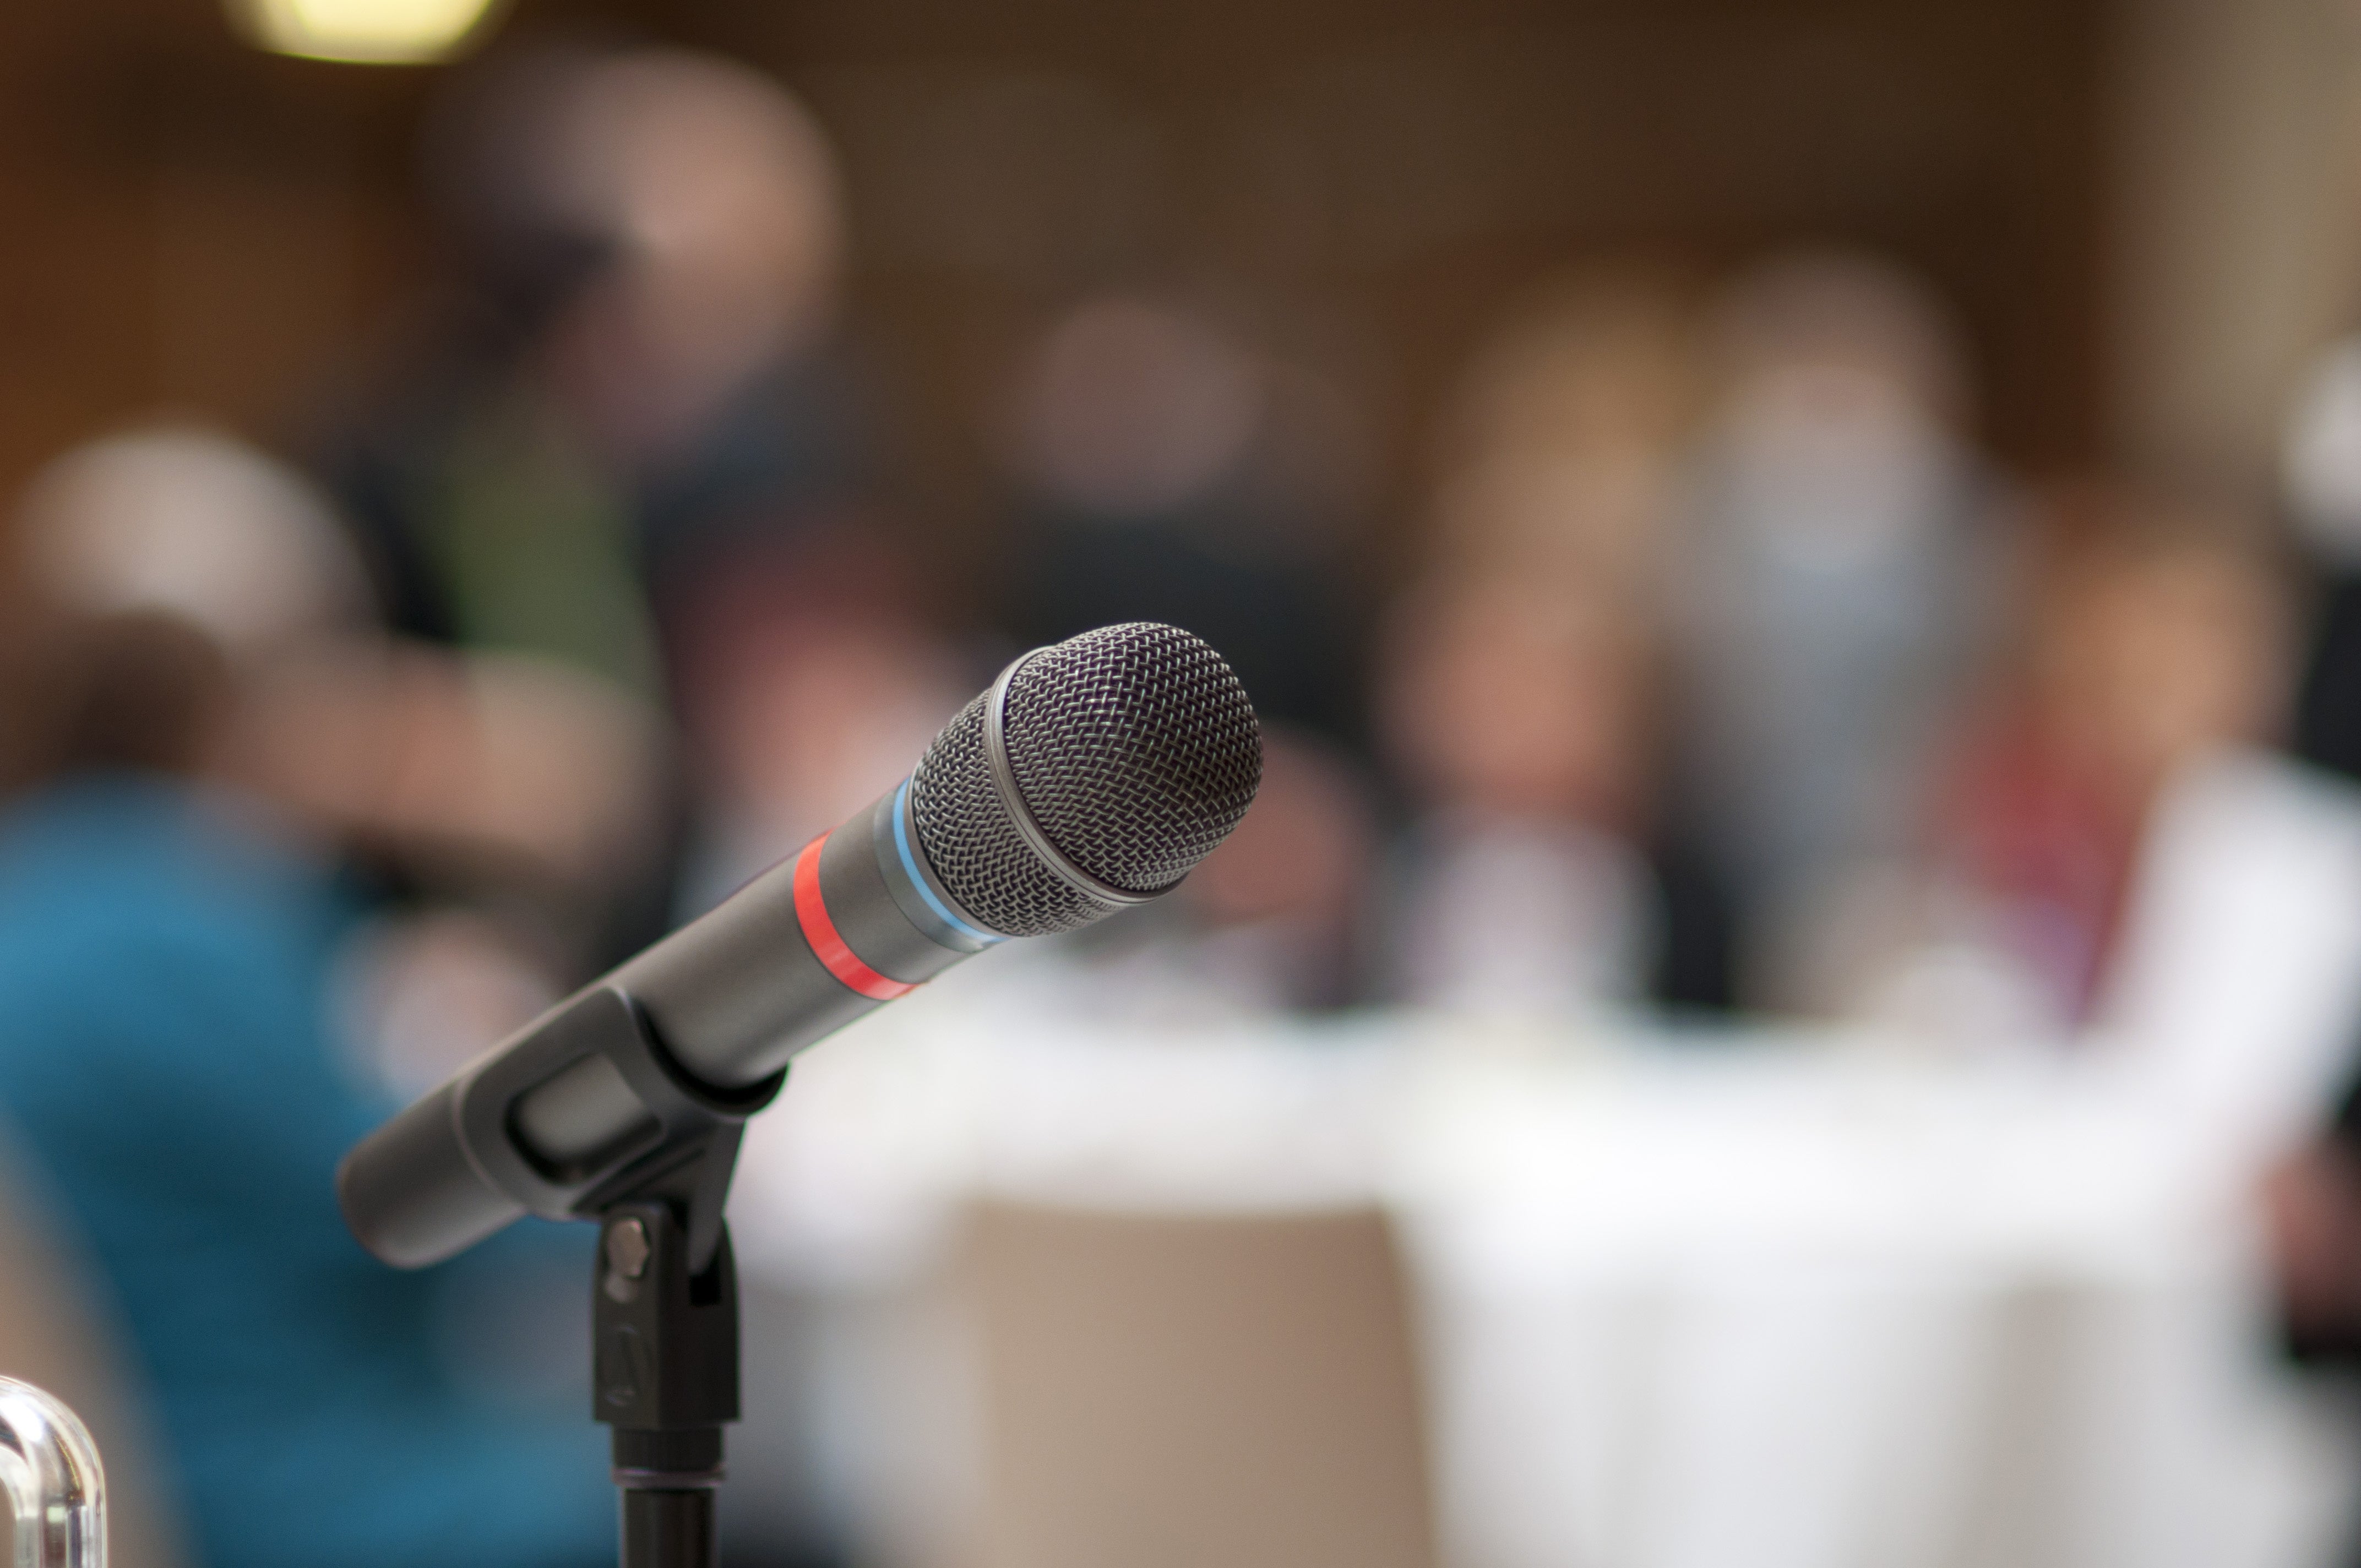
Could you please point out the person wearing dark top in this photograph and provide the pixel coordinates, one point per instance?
(1164, 473)
(168, 1067)
(167, 1062)
(635, 381)
(636, 370)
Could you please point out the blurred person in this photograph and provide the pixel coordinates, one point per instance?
(175, 909)
(2139, 876)
(1562, 455)
(504, 778)
(2316, 1194)
(1162, 476)
(2323, 498)
(1833, 583)
(1517, 714)
(1171, 469)
(639, 368)
(1602, 359)
(1561, 449)
(2155, 643)
(2312, 1210)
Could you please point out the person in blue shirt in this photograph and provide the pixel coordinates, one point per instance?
(167, 1063)
(164, 1056)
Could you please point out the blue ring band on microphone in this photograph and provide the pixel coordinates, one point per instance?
(918, 880)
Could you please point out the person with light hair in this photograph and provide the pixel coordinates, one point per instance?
(638, 366)
(1516, 713)
(217, 720)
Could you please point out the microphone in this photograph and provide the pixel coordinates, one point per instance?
(1092, 775)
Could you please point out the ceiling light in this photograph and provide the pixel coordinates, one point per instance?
(375, 32)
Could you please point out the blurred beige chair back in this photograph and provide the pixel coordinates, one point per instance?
(55, 1336)
(1200, 1391)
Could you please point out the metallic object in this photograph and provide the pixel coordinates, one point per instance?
(628, 1249)
(51, 1485)
(1094, 773)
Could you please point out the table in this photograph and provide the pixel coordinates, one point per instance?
(1729, 1301)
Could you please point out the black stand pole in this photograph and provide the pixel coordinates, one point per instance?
(665, 1361)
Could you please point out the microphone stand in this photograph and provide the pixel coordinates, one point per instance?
(665, 1354)
(663, 1294)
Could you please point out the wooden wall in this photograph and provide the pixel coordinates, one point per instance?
(191, 225)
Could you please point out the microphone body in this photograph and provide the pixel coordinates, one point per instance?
(803, 949)
(1092, 775)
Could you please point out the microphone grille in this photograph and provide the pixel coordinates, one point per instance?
(1134, 747)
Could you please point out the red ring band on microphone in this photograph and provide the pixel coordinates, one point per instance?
(820, 931)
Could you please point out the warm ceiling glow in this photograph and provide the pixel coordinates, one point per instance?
(378, 32)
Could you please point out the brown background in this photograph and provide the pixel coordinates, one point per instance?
(195, 226)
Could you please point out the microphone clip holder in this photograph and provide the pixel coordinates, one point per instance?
(664, 1304)
(664, 1375)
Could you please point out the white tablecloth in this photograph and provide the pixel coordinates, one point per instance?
(1685, 1303)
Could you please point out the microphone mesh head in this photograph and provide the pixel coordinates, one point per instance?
(1136, 752)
